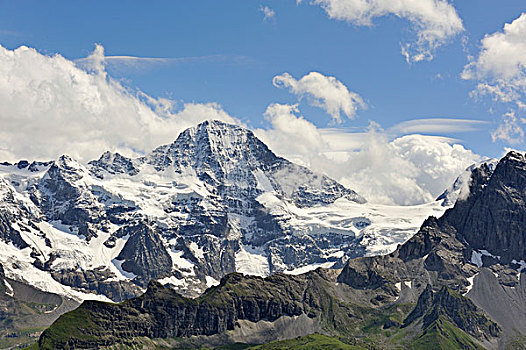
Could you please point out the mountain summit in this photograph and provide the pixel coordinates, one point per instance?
(214, 201)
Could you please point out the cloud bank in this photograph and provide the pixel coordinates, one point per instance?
(325, 92)
(48, 106)
(410, 169)
(433, 21)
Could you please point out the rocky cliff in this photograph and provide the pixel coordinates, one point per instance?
(434, 290)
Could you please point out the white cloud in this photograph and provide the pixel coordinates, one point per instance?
(126, 63)
(410, 169)
(438, 125)
(324, 92)
(49, 106)
(510, 129)
(268, 13)
(500, 66)
(299, 136)
(500, 70)
(434, 21)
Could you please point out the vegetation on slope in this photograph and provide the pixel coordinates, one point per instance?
(309, 342)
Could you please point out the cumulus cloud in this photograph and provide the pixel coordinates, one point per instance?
(500, 70)
(290, 130)
(434, 21)
(501, 64)
(268, 13)
(406, 170)
(50, 106)
(325, 92)
(510, 129)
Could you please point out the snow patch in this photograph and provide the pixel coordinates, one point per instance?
(126, 274)
(476, 257)
(211, 281)
(521, 268)
(308, 268)
(337, 254)
(179, 262)
(9, 290)
(263, 182)
(252, 261)
(470, 286)
(198, 252)
(173, 281)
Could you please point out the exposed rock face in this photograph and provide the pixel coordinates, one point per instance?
(144, 253)
(113, 163)
(461, 312)
(98, 280)
(435, 270)
(162, 313)
(460, 187)
(236, 168)
(3, 287)
(425, 301)
(493, 217)
(446, 245)
(9, 212)
(62, 196)
(8, 233)
(451, 251)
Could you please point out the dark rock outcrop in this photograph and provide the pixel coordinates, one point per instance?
(61, 198)
(113, 163)
(8, 233)
(425, 300)
(101, 281)
(144, 253)
(493, 217)
(3, 288)
(462, 313)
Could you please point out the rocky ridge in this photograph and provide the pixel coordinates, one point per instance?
(439, 273)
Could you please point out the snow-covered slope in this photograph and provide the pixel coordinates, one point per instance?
(217, 200)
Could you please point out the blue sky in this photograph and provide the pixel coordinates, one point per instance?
(251, 51)
(227, 52)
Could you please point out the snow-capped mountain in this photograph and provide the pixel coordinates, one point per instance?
(215, 201)
(458, 283)
(460, 188)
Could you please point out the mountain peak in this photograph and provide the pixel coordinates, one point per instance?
(215, 146)
(515, 156)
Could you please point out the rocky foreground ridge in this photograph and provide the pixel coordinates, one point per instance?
(456, 284)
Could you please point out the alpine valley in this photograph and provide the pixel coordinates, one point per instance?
(214, 241)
